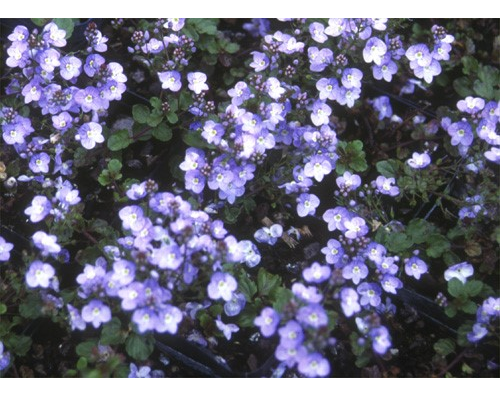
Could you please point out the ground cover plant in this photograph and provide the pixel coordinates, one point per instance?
(249, 198)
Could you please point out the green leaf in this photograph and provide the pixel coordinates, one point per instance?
(484, 89)
(162, 132)
(398, 242)
(139, 347)
(267, 282)
(469, 307)
(247, 316)
(450, 311)
(3, 309)
(418, 230)
(194, 139)
(155, 119)
(172, 117)
(281, 297)
(40, 21)
(114, 166)
(66, 24)
(470, 65)
(82, 363)
(231, 48)
(231, 214)
(155, 102)
(246, 286)
(18, 344)
(438, 244)
(31, 308)
(444, 346)
(388, 168)
(185, 100)
(463, 86)
(119, 140)
(112, 333)
(86, 348)
(456, 288)
(473, 287)
(140, 113)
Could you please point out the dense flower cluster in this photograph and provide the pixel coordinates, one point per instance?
(158, 256)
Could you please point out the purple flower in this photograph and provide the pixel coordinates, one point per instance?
(308, 294)
(491, 306)
(312, 315)
(195, 181)
(240, 93)
(348, 96)
(168, 320)
(145, 319)
(39, 274)
(20, 33)
(336, 217)
(39, 163)
(290, 355)
(441, 51)
(142, 372)
(356, 270)
(75, 319)
(197, 82)
(18, 54)
(96, 312)
(320, 113)
(89, 99)
(62, 121)
(291, 335)
(268, 321)
(53, 35)
(419, 55)
(428, 72)
(385, 186)
(170, 80)
(478, 332)
(370, 294)
(307, 204)
(33, 90)
(194, 159)
(269, 235)
(90, 133)
(319, 59)
(317, 32)
(314, 365)
(260, 61)
(234, 306)
(355, 227)
(316, 273)
(48, 59)
(387, 266)
(328, 88)
(4, 357)
(385, 70)
(70, 67)
(461, 271)
(333, 252)
(219, 178)
(349, 301)
(348, 181)
(415, 267)
(136, 191)
(493, 155)
(390, 284)
(175, 24)
(46, 243)
(274, 88)
(318, 166)
(419, 161)
(461, 133)
(132, 218)
(376, 252)
(227, 329)
(15, 133)
(382, 105)
(5, 248)
(381, 339)
(39, 209)
(221, 285)
(123, 272)
(93, 64)
(351, 78)
(374, 51)
(132, 296)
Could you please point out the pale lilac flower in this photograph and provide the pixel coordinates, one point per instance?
(62, 121)
(48, 59)
(18, 54)
(351, 78)
(33, 90)
(308, 294)
(349, 301)
(374, 51)
(419, 55)
(385, 186)
(355, 270)
(70, 67)
(348, 181)
(328, 88)
(46, 243)
(390, 284)
(415, 267)
(317, 32)
(175, 24)
(355, 227)
(383, 106)
(318, 166)
(145, 319)
(478, 332)
(471, 105)
(307, 204)
(460, 133)
(320, 113)
(39, 274)
(376, 252)
(419, 161)
(132, 296)
(96, 312)
(381, 340)
(170, 80)
(139, 372)
(314, 365)
(333, 252)
(20, 33)
(75, 319)
(168, 319)
(336, 26)
(493, 155)
(227, 329)
(5, 248)
(491, 306)
(221, 285)
(240, 93)
(313, 315)
(291, 335)
(385, 70)
(90, 133)
(441, 51)
(269, 235)
(316, 273)
(274, 88)
(336, 217)
(319, 59)
(39, 163)
(428, 72)
(132, 218)
(260, 61)
(461, 271)
(89, 99)
(268, 321)
(39, 209)
(370, 294)
(234, 306)
(197, 82)
(53, 35)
